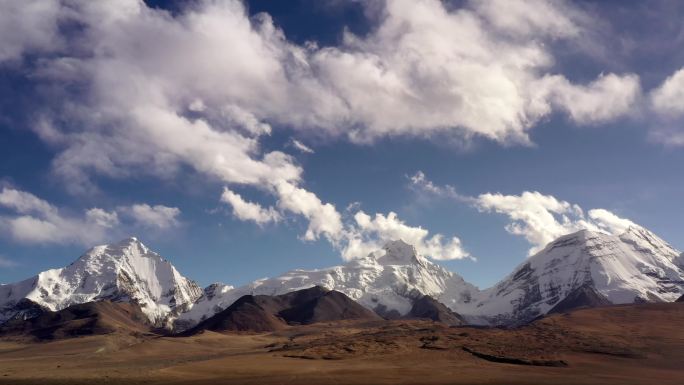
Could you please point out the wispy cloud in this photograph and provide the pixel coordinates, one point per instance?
(7, 263)
(34, 220)
(301, 146)
(419, 182)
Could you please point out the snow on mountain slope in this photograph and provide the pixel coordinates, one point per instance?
(126, 272)
(386, 282)
(632, 267)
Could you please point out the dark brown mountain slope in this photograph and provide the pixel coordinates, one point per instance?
(260, 313)
(329, 306)
(93, 318)
(248, 313)
(427, 307)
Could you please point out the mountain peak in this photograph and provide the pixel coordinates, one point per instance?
(646, 241)
(387, 283)
(130, 243)
(126, 271)
(633, 266)
(578, 239)
(398, 252)
(110, 256)
(583, 234)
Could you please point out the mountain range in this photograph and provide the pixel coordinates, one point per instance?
(583, 269)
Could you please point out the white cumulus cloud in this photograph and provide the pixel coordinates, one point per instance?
(606, 98)
(102, 218)
(323, 218)
(249, 211)
(354, 238)
(28, 26)
(668, 98)
(160, 93)
(30, 219)
(539, 218)
(667, 104)
(25, 203)
(198, 88)
(157, 216)
(34, 220)
(610, 222)
(543, 218)
(369, 234)
(530, 17)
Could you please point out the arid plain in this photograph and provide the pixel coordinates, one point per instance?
(633, 344)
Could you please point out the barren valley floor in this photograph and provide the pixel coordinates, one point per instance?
(635, 344)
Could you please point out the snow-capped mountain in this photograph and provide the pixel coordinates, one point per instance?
(632, 267)
(635, 266)
(387, 282)
(124, 272)
(590, 268)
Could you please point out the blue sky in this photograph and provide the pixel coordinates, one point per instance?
(177, 122)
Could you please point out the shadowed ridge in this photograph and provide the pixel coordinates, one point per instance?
(680, 299)
(427, 307)
(92, 318)
(583, 297)
(330, 306)
(263, 313)
(248, 313)
(303, 295)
